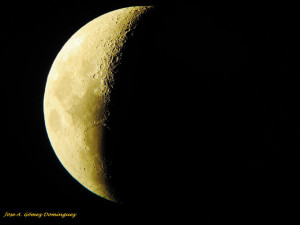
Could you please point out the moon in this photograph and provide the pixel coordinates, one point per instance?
(77, 95)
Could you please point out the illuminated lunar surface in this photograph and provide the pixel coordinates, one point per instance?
(77, 94)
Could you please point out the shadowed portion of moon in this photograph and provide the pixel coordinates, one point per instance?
(173, 116)
(174, 111)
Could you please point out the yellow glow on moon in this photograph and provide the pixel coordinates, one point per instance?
(78, 91)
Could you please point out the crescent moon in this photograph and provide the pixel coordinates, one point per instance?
(77, 94)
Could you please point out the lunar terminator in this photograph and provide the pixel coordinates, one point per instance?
(78, 92)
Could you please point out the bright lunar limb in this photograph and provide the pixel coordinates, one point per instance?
(77, 94)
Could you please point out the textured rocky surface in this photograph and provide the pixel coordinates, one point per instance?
(78, 92)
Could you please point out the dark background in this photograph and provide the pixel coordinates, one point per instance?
(207, 131)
